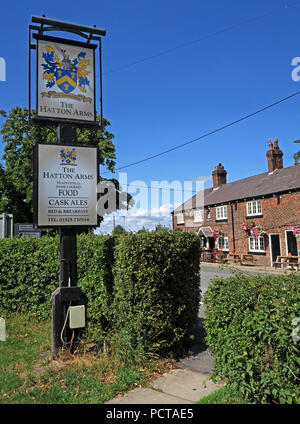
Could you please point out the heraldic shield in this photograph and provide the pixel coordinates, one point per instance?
(68, 157)
(66, 80)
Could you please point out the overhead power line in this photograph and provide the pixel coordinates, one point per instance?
(209, 133)
(205, 37)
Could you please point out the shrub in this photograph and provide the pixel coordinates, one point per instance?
(157, 289)
(249, 331)
(95, 262)
(29, 273)
(141, 287)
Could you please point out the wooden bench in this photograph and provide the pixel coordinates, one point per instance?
(288, 261)
(240, 259)
(233, 258)
(248, 258)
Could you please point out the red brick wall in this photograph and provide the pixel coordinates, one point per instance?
(279, 213)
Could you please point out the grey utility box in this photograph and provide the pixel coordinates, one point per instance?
(6, 225)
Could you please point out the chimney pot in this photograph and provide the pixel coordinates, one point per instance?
(274, 156)
(219, 176)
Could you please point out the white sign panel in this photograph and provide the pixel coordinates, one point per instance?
(66, 185)
(65, 81)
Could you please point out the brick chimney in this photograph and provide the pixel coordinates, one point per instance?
(274, 156)
(219, 176)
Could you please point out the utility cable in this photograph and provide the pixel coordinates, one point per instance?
(205, 37)
(63, 328)
(207, 134)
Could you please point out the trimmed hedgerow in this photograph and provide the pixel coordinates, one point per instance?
(95, 262)
(142, 287)
(157, 289)
(249, 327)
(29, 273)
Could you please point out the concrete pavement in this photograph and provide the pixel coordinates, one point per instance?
(179, 386)
(191, 381)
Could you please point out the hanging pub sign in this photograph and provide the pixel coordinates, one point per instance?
(65, 185)
(65, 89)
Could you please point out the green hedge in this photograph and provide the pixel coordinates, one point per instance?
(95, 262)
(29, 273)
(144, 284)
(249, 331)
(157, 289)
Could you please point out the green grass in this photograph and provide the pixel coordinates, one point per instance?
(28, 375)
(224, 395)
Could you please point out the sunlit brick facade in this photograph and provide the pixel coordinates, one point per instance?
(270, 200)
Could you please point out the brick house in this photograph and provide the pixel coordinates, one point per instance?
(270, 200)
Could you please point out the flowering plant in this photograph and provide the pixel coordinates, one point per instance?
(215, 234)
(257, 231)
(220, 254)
(247, 227)
(296, 230)
(253, 229)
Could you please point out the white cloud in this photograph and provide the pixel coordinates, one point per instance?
(136, 219)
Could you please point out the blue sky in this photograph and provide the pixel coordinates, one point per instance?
(173, 98)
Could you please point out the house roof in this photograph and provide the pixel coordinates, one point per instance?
(281, 180)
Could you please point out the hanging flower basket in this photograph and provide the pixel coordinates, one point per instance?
(253, 230)
(216, 234)
(296, 231)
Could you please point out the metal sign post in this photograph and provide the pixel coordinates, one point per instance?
(65, 174)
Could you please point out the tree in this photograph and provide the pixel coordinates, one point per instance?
(19, 137)
(143, 230)
(160, 227)
(297, 157)
(118, 231)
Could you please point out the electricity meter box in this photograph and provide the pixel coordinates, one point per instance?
(77, 317)
(6, 225)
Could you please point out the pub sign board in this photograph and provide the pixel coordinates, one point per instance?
(65, 89)
(65, 185)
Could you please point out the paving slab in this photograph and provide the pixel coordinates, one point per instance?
(148, 396)
(185, 384)
(202, 362)
(179, 386)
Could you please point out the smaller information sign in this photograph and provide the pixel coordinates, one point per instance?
(26, 230)
(65, 185)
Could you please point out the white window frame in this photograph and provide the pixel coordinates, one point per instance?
(221, 212)
(257, 244)
(226, 244)
(254, 208)
(180, 218)
(198, 215)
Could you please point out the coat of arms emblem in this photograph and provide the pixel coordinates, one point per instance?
(66, 73)
(68, 157)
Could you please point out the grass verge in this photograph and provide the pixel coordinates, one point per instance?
(225, 395)
(29, 376)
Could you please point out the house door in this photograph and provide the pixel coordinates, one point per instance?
(275, 247)
(291, 243)
(211, 243)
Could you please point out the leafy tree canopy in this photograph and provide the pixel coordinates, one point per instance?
(297, 157)
(16, 174)
(118, 231)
